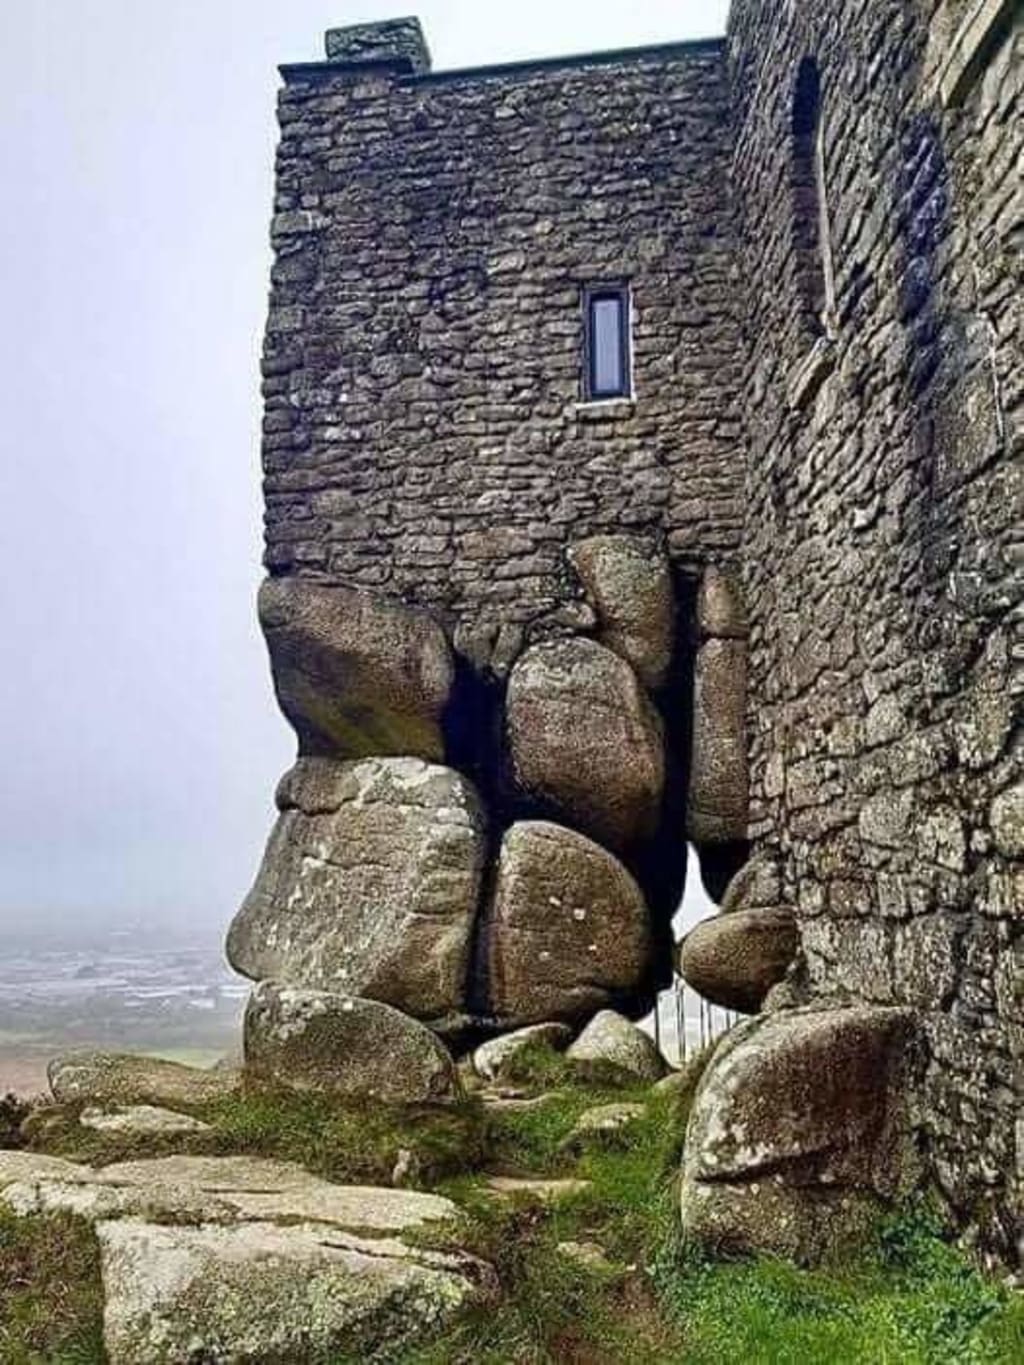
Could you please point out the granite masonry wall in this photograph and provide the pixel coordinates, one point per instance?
(424, 429)
(883, 542)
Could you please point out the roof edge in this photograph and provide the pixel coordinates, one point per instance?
(402, 68)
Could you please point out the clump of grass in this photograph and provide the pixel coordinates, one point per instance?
(348, 1142)
(51, 1299)
(13, 1113)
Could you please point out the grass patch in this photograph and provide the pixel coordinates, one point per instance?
(348, 1143)
(909, 1299)
(50, 1297)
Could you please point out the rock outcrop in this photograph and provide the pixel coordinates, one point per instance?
(610, 1047)
(264, 1291)
(343, 1045)
(493, 1058)
(127, 1078)
(629, 584)
(800, 1129)
(568, 929)
(370, 884)
(355, 674)
(734, 960)
(585, 741)
(239, 1258)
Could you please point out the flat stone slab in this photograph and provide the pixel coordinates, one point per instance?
(259, 1291)
(547, 1191)
(127, 1078)
(141, 1119)
(215, 1188)
(602, 1125)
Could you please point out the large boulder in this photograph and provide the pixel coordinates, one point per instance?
(355, 674)
(369, 885)
(718, 800)
(734, 960)
(799, 1129)
(567, 930)
(342, 1045)
(612, 1048)
(265, 1291)
(629, 583)
(128, 1078)
(585, 741)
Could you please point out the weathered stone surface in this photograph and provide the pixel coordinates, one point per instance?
(584, 739)
(545, 1191)
(369, 885)
(720, 610)
(603, 1126)
(493, 1057)
(355, 674)
(611, 1046)
(756, 886)
(211, 1188)
(734, 960)
(1006, 818)
(718, 798)
(341, 1044)
(260, 1291)
(630, 585)
(386, 40)
(140, 1119)
(568, 929)
(799, 1127)
(129, 1078)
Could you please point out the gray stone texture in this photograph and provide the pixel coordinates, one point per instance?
(882, 564)
(734, 960)
(492, 1059)
(342, 1045)
(423, 432)
(611, 1047)
(355, 675)
(629, 584)
(801, 1130)
(370, 884)
(130, 1078)
(584, 740)
(568, 929)
(717, 800)
(389, 40)
(267, 1291)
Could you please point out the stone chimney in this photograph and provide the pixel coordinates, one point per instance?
(393, 40)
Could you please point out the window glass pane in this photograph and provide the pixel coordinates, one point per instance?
(606, 345)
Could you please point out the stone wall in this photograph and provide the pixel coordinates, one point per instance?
(883, 540)
(424, 431)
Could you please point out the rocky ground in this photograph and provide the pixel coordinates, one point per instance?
(152, 1213)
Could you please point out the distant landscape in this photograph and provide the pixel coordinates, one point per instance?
(124, 989)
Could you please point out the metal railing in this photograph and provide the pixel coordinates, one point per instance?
(684, 1022)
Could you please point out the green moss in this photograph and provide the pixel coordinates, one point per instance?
(51, 1305)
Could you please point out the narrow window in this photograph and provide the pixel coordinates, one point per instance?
(812, 248)
(606, 342)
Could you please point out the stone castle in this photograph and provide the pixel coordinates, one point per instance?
(642, 454)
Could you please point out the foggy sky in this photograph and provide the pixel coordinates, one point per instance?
(140, 740)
